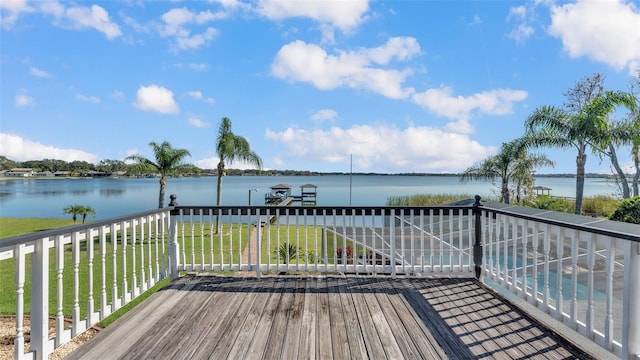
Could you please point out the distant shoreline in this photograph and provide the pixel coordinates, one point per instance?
(589, 176)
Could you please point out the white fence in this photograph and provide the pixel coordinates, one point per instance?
(583, 272)
(71, 278)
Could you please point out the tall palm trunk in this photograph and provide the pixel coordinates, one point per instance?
(622, 177)
(505, 190)
(581, 160)
(219, 194)
(163, 185)
(636, 163)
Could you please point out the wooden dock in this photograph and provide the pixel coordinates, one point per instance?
(318, 317)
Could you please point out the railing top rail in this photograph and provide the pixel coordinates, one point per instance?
(576, 222)
(25, 238)
(318, 210)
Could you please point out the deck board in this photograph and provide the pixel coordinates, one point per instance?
(326, 317)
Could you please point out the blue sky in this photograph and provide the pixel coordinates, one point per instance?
(402, 86)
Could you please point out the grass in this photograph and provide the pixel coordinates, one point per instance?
(426, 199)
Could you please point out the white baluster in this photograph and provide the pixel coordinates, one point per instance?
(59, 251)
(75, 314)
(20, 269)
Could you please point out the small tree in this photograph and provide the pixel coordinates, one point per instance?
(167, 162)
(512, 163)
(628, 211)
(87, 210)
(74, 210)
(287, 252)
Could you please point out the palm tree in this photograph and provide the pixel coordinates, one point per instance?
(87, 210)
(549, 126)
(74, 210)
(230, 148)
(512, 163)
(168, 161)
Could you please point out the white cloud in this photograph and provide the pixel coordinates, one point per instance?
(176, 22)
(325, 115)
(212, 163)
(96, 17)
(521, 33)
(195, 94)
(344, 15)
(156, 98)
(382, 148)
(523, 16)
(91, 99)
(117, 95)
(81, 17)
(17, 148)
(196, 122)
(10, 10)
(299, 61)
(39, 73)
(605, 31)
(23, 100)
(199, 67)
(442, 102)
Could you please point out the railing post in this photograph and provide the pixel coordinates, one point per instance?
(259, 246)
(477, 245)
(631, 307)
(40, 299)
(174, 247)
(392, 243)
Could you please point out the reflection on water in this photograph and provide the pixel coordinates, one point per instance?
(50, 192)
(80, 192)
(112, 192)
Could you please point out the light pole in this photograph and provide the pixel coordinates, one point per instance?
(250, 190)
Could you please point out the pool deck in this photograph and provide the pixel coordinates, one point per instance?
(328, 317)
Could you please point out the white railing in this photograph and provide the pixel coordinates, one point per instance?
(583, 272)
(365, 240)
(76, 276)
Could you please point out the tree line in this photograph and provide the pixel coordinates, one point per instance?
(584, 124)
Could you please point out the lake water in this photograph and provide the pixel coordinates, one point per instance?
(46, 198)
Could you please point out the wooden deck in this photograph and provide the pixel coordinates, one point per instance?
(215, 317)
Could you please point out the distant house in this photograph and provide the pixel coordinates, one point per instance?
(62, 174)
(20, 172)
(43, 174)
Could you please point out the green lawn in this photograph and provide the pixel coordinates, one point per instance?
(195, 242)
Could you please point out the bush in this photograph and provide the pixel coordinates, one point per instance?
(546, 202)
(628, 211)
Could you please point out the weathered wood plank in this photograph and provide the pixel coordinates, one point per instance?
(248, 328)
(339, 336)
(225, 327)
(433, 320)
(401, 323)
(214, 317)
(307, 347)
(179, 341)
(425, 343)
(385, 333)
(294, 321)
(325, 350)
(370, 335)
(258, 344)
(278, 331)
(355, 337)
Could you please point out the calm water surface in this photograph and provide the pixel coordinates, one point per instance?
(115, 197)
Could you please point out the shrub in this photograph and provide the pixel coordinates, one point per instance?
(628, 211)
(546, 202)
